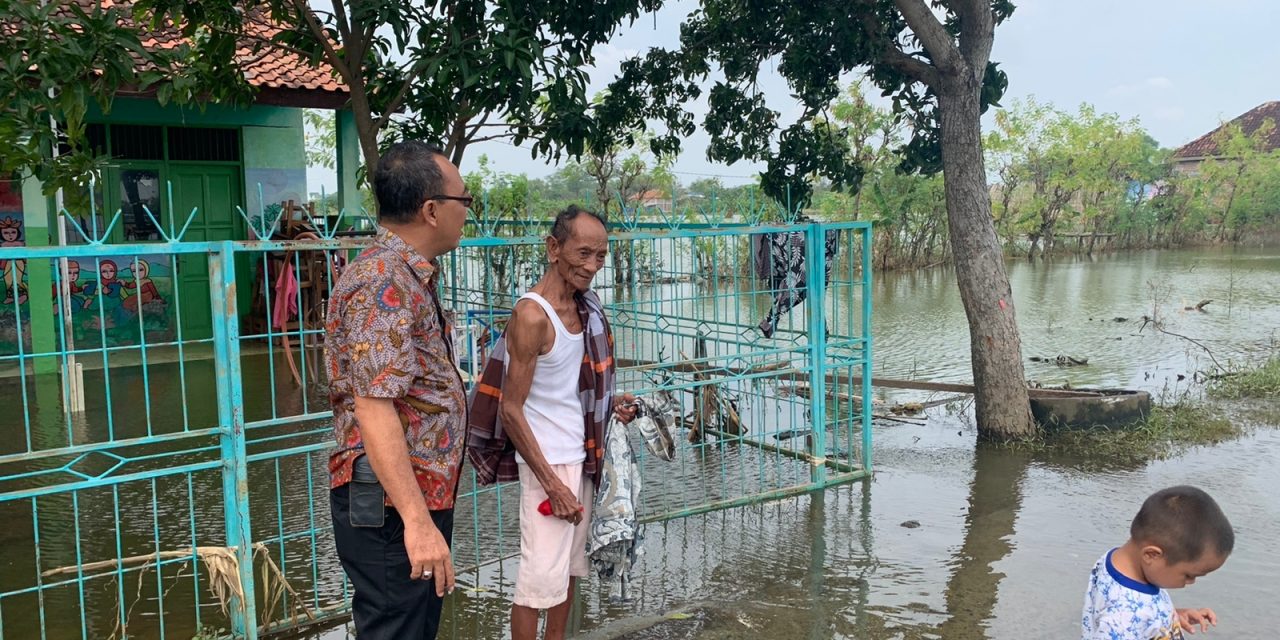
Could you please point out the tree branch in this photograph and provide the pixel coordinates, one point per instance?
(977, 34)
(488, 138)
(410, 79)
(914, 67)
(489, 125)
(265, 41)
(932, 35)
(370, 31)
(344, 26)
(484, 118)
(330, 51)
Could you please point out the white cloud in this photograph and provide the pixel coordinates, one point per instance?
(1153, 83)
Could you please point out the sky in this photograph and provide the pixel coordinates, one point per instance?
(1181, 67)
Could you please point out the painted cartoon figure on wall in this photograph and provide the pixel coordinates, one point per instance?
(109, 290)
(111, 287)
(14, 270)
(78, 297)
(142, 291)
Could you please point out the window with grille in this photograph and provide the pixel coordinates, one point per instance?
(137, 142)
(204, 144)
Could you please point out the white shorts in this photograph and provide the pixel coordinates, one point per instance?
(551, 549)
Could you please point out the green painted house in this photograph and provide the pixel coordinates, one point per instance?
(168, 161)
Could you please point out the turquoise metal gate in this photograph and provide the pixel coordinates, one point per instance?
(160, 486)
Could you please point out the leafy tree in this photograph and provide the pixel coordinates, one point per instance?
(1241, 184)
(459, 71)
(56, 59)
(508, 207)
(704, 188)
(1009, 150)
(908, 209)
(1135, 218)
(623, 174)
(322, 139)
(873, 136)
(1080, 172)
(933, 61)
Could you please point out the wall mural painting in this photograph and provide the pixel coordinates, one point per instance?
(119, 299)
(13, 272)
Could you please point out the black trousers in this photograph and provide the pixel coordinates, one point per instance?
(388, 604)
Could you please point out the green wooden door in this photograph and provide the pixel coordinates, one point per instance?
(214, 192)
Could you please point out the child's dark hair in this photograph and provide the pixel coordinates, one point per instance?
(1183, 521)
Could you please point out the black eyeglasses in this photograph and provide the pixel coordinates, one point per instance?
(465, 200)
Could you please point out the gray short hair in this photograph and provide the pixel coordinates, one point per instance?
(562, 228)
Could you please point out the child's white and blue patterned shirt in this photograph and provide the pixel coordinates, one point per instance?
(1117, 607)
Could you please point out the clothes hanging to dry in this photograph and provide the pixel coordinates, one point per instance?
(780, 262)
(286, 294)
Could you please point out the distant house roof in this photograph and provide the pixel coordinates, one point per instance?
(1207, 144)
(281, 78)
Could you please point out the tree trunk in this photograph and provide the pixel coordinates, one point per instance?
(1002, 408)
(366, 128)
(1231, 200)
(1046, 232)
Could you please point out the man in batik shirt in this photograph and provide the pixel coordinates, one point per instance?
(398, 401)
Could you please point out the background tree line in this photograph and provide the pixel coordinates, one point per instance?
(1103, 182)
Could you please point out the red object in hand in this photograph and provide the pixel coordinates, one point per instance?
(545, 507)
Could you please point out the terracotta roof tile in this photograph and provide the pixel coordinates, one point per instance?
(1207, 144)
(265, 69)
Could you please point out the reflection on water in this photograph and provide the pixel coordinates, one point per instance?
(1003, 550)
(995, 497)
(1070, 307)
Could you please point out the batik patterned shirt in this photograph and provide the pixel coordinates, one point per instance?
(387, 338)
(1118, 607)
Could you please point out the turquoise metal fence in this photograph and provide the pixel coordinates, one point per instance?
(159, 481)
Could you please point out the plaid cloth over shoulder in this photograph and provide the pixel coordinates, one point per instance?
(492, 453)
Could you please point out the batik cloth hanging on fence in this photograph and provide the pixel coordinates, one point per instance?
(780, 262)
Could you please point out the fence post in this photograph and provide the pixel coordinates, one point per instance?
(867, 245)
(235, 482)
(816, 285)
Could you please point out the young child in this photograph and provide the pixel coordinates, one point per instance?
(1179, 535)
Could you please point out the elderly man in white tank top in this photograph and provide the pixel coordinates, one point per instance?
(542, 413)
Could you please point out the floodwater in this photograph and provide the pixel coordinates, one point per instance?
(997, 544)
(1005, 540)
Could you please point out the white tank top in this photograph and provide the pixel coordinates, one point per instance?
(554, 410)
